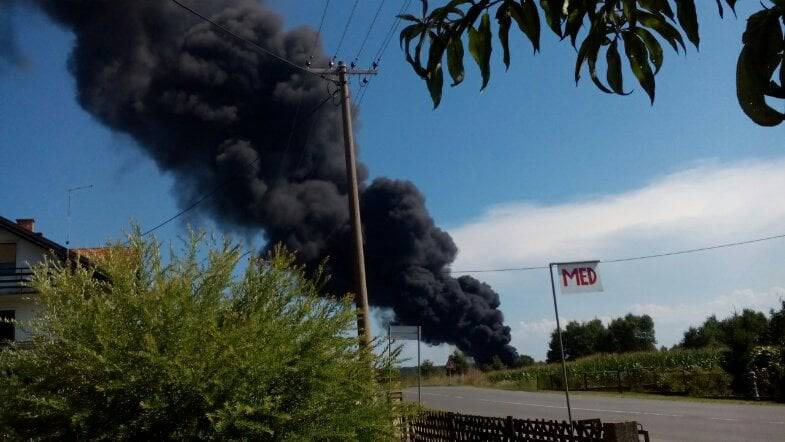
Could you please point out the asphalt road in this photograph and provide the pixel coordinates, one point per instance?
(666, 420)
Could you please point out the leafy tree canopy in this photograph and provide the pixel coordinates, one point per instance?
(457, 363)
(189, 350)
(632, 333)
(715, 333)
(627, 334)
(631, 29)
(427, 369)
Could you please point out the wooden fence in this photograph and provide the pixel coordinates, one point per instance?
(435, 426)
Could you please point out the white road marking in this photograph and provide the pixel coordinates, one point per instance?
(596, 410)
(778, 422)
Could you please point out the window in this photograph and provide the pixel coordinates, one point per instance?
(7, 258)
(6, 325)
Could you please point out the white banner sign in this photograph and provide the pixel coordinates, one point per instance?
(579, 277)
(404, 332)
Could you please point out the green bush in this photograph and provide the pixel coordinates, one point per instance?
(196, 349)
(694, 372)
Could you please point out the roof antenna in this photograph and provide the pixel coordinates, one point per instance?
(68, 231)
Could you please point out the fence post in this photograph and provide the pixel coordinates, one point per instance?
(685, 381)
(453, 428)
(620, 432)
(537, 377)
(509, 429)
(754, 381)
(618, 380)
(585, 381)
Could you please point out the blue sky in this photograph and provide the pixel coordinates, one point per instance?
(532, 170)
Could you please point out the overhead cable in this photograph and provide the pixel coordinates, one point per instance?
(248, 42)
(639, 258)
(345, 28)
(383, 47)
(368, 33)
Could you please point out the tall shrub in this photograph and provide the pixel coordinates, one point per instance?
(197, 348)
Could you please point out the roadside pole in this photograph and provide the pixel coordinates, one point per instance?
(419, 377)
(363, 314)
(361, 294)
(561, 347)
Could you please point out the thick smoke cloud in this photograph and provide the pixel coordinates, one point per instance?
(209, 109)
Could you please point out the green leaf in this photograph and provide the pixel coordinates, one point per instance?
(614, 68)
(588, 53)
(480, 48)
(662, 27)
(732, 4)
(688, 19)
(591, 60)
(629, 12)
(574, 23)
(528, 20)
(435, 79)
(657, 7)
(503, 17)
(553, 14)
(719, 7)
(455, 59)
(436, 51)
(408, 34)
(435, 85)
(757, 63)
(750, 92)
(653, 47)
(409, 17)
(636, 54)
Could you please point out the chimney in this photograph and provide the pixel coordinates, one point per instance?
(26, 223)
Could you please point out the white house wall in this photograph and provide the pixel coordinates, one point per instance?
(24, 307)
(27, 254)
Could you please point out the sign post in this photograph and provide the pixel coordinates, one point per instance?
(410, 333)
(574, 277)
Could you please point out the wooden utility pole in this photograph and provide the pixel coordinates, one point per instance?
(361, 288)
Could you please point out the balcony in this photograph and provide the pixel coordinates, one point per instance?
(15, 281)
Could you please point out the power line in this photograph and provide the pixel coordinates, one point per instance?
(319, 31)
(246, 41)
(308, 63)
(701, 249)
(391, 31)
(383, 47)
(370, 28)
(220, 186)
(639, 258)
(346, 28)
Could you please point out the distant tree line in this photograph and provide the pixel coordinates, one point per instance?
(748, 325)
(622, 335)
(754, 343)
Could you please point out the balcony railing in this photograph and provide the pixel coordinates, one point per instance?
(15, 280)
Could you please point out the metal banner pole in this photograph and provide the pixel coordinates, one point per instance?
(419, 378)
(561, 346)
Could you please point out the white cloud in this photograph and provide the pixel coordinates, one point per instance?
(705, 205)
(691, 208)
(721, 306)
(540, 328)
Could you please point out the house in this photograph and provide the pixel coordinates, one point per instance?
(21, 247)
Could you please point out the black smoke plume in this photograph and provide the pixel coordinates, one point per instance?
(210, 110)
